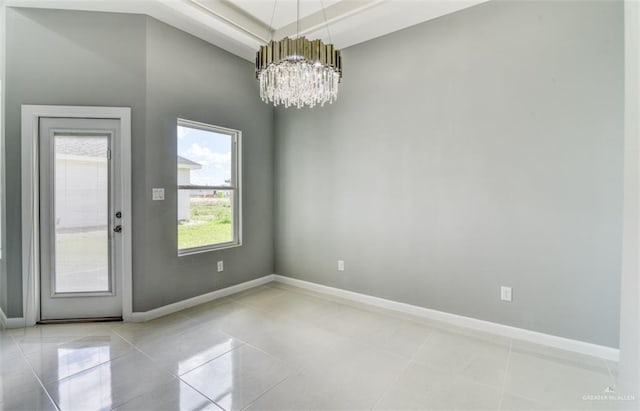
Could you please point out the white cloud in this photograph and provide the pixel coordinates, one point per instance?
(205, 156)
(182, 132)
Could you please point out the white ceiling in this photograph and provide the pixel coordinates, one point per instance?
(285, 10)
(241, 26)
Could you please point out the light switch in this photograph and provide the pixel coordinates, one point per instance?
(157, 194)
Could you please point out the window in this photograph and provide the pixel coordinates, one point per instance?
(208, 187)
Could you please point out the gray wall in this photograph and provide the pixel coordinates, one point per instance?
(480, 149)
(83, 58)
(68, 58)
(191, 79)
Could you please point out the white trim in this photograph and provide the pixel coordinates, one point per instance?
(629, 372)
(473, 323)
(14, 322)
(224, 25)
(3, 83)
(235, 188)
(30, 224)
(200, 299)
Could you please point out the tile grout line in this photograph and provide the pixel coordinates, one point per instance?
(266, 391)
(274, 357)
(512, 357)
(530, 399)
(72, 341)
(180, 379)
(406, 367)
(134, 348)
(33, 371)
(245, 343)
(359, 307)
(295, 320)
(176, 376)
(387, 313)
(506, 373)
(614, 380)
(200, 392)
(179, 376)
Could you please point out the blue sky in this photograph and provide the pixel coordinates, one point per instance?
(211, 150)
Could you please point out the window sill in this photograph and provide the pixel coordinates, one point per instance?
(207, 249)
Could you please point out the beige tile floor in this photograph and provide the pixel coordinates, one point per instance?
(277, 347)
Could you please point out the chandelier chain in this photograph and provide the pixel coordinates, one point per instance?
(298, 19)
(326, 22)
(297, 25)
(273, 13)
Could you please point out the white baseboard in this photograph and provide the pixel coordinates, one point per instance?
(200, 299)
(3, 319)
(14, 322)
(567, 344)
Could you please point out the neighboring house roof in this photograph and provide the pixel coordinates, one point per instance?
(81, 148)
(186, 163)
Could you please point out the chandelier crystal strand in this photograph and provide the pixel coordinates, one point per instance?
(298, 72)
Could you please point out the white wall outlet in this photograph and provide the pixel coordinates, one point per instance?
(157, 194)
(340, 265)
(220, 266)
(505, 293)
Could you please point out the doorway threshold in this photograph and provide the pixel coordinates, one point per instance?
(80, 320)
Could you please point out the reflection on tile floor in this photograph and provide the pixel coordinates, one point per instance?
(278, 347)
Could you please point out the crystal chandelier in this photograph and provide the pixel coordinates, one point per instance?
(298, 72)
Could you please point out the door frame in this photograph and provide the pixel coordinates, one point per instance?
(31, 205)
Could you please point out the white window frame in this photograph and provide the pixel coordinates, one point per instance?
(235, 187)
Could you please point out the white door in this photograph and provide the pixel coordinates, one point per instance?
(80, 216)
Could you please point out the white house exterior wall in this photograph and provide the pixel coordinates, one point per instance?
(184, 209)
(80, 193)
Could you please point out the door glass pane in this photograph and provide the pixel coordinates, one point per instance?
(81, 192)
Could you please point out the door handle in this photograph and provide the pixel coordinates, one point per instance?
(117, 228)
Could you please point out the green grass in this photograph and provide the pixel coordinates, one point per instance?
(209, 223)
